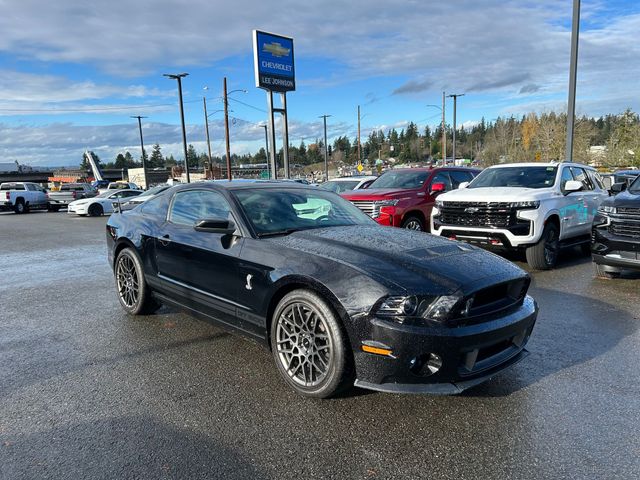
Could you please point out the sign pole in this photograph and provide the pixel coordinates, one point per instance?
(272, 137)
(285, 134)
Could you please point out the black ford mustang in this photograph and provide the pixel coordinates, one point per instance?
(337, 298)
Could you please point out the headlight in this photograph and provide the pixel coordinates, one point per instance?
(439, 203)
(386, 203)
(606, 209)
(526, 205)
(432, 308)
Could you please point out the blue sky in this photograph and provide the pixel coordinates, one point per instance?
(73, 72)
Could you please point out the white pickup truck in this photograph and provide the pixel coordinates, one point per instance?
(22, 197)
(537, 208)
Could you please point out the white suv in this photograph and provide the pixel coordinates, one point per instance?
(535, 207)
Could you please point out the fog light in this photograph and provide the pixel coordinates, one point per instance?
(426, 364)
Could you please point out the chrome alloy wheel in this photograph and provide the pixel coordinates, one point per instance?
(127, 281)
(413, 225)
(304, 345)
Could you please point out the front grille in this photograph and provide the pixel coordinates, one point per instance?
(477, 214)
(485, 303)
(368, 207)
(626, 222)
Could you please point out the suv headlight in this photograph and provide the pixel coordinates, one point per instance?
(606, 209)
(529, 204)
(432, 308)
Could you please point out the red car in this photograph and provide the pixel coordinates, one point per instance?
(404, 197)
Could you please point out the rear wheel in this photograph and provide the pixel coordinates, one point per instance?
(413, 223)
(606, 272)
(544, 254)
(133, 292)
(95, 210)
(20, 207)
(309, 346)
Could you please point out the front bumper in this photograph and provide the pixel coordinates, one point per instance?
(77, 209)
(615, 251)
(469, 354)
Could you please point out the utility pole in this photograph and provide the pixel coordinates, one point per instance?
(326, 147)
(444, 135)
(144, 160)
(179, 78)
(455, 98)
(226, 128)
(206, 127)
(573, 70)
(359, 156)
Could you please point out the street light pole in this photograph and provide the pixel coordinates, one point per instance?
(226, 128)
(455, 98)
(144, 162)
(359, 156)
(573, 71)
(179, 77)
(444, 135)
(326, 147)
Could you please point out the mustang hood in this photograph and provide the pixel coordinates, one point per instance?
(413, 261)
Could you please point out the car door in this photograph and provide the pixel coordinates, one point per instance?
(591, 199)
(570, 206)
(199, 268)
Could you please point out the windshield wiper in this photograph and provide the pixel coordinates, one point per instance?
(280, 232)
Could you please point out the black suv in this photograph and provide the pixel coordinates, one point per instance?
(615, 238)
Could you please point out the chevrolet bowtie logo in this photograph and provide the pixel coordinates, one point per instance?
(276, 49)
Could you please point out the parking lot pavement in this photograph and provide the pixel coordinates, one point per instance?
(87, 392)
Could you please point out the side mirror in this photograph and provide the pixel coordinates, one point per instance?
(618, 187)
(572, 186)
(215, 225)
(463, 185)
(437, 187)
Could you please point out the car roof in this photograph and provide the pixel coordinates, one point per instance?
(244, 184)
(352, 178)
(539, 164)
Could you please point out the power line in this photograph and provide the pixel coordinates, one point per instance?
(248, 105)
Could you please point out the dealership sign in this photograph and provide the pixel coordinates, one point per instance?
(273, 62)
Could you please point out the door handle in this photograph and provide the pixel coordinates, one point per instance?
(165, 240)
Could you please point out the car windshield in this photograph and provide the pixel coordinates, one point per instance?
(635, 186)
(405, 179)
(524, 177)
(283, 211)
(339, 187)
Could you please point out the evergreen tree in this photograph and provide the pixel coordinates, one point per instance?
(156, 159)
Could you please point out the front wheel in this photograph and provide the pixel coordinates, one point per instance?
(133, 292)
(544, 254)
(413, 223)
(309, 346)
(95, 210)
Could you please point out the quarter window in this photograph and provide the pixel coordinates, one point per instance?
(193, 205)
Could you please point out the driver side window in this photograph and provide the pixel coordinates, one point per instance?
(442, 177)
(193, 205)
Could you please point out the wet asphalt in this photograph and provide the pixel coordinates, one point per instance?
(87, 392)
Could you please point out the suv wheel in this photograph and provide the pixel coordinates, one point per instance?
(544, 254)
(413, 223)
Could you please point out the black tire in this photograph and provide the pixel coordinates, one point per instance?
(20, 207)
(585, 248)
(413, 222)
(305, 327)
(544, 254)
(133, 292)
(95, 210)
(606, 272)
